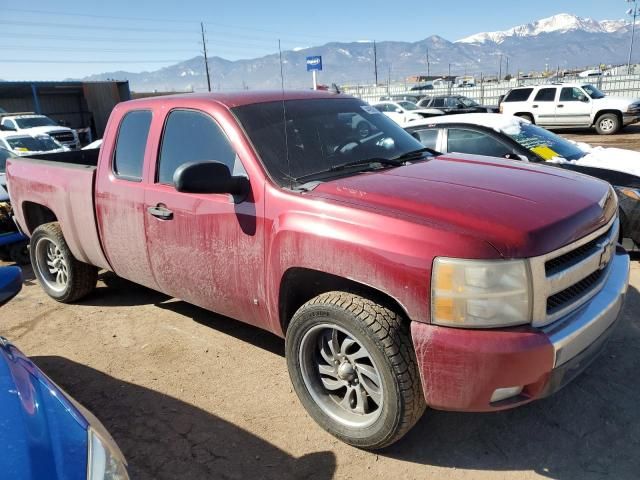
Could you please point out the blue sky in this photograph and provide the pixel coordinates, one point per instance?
(39, 44)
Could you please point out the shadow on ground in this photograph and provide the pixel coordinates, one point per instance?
(165, 438)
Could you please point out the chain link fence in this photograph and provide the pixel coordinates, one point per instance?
(489, 93)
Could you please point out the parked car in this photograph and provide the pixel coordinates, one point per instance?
(422, 87)
(380, 264)
(45, 432)
(511, 137)
(13, 244)
(571, 105)
(31, 123)
(451, 104)
(21, 144)
(403, 112)
(401, 97)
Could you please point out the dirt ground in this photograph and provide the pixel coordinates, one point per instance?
(191, 395)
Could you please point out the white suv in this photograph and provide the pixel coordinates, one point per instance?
(571, 105)
(34, 124)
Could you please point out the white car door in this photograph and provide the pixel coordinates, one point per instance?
(573, 107)
(543, 106)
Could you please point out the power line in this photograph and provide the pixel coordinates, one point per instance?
(80, 49)
(23, 60)
(96, 27)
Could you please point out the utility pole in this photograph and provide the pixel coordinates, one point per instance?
(449, 69)
(206, 59)
(633, 11)
(500, 70)
(375, 61)
(507, 60)
(428, 64)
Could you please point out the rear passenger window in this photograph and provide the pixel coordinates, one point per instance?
(475, 143)
(546, 95)
(191, 136)
(519, 95)
(132, 141)
(427, 137)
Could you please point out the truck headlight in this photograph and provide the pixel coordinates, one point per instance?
(480, 293)
(106, 462)
(630, 192)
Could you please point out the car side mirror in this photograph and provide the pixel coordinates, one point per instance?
(10, 283)
(398, 110)
(210, 177)
(584, 99)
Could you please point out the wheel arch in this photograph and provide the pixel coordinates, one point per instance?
(299, 285)
(604, 111)
(36, 214)
(527, 115)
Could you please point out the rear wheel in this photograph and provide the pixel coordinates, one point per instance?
(608, 124)
(352, 364)
(525, 116)
(64, 278)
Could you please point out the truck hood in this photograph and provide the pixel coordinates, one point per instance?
(521, 209)
(620, 103)
(46, 130)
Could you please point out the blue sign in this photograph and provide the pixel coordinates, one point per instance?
(314, 63)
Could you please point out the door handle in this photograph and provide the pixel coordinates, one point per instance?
(161, 212)
(560, 106)
(535, 106)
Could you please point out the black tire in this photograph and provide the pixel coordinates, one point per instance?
(383, 335)
(608, 124)
(526, 116)
(80, 278)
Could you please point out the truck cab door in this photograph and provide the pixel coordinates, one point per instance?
(203, 248)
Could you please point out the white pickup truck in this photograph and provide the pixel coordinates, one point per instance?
(571, 105)
(33, 124)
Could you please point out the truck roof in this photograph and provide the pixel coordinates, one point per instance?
(239, 98)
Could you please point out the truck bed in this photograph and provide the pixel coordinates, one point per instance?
(63, 183)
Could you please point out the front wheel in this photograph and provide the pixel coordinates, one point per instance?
(352, 364)
(608, 124)
(64, 278)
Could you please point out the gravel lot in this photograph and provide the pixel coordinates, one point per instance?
(191, 395)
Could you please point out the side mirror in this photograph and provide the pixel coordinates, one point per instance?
(584, 99)
(210, 177)
(10, 283)
(398, 110)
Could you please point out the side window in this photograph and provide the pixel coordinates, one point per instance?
(381, 107)
(438, 102)
(476, 143)
(546, 95)
(518, 95)
(132, 141)
(571, 94)
(428, 137)
(452, 102)
(191, 136)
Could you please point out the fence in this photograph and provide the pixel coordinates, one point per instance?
(488, 93)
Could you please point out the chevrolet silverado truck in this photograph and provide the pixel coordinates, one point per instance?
(399, 279)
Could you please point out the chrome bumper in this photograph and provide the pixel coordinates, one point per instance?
(629, 118)
(575, 333)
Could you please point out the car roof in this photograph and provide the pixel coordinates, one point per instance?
(235, 98)
(495, 121)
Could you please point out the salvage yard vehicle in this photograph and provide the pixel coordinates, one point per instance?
(381, 264)
(45, 433)
(511, 137)
(32, 123)
(454, 104)
(13, 244)
(571, 105)
(404, 111)
(21, 144)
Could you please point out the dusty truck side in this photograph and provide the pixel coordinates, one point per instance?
(398, 278)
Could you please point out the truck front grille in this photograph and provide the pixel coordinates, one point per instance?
(63, 136)
(566, 279)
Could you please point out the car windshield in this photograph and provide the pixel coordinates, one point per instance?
(408, 105)
(593, 91)
(32, 144)
(319, 135)
(542, 142)
(30, 122)
(467, 102)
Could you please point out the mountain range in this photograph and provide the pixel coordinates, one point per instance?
(563, 41)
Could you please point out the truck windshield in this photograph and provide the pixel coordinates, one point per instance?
(321, 134)
(593, 91)
(32, 144)
(30, 122)
(542, 142)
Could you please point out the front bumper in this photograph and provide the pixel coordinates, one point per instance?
(460, 369)
(630, 118)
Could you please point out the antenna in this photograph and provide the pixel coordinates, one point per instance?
(206, 60)
(428, 64)
(375, 62)
(284, 119)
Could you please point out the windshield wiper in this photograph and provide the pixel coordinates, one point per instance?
(369, 163)
(412, 155)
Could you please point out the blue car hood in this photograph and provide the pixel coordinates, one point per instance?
(42, 435)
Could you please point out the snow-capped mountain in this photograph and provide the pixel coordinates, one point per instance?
(561, 23)
(562, 41)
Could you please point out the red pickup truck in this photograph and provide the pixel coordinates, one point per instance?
(400, 279)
